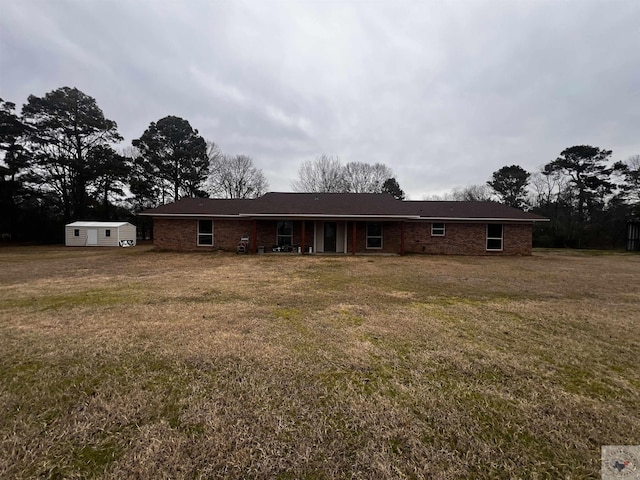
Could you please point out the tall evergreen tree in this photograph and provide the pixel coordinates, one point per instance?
(111, 173)
(66, 126)
(510, 184)
(392, 187)
(14, 160)
(173, 159)
(588, 173)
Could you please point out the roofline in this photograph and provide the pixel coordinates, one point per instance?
(81, 223)
(193, 215)
(265, 216)
(326, 215)
(486, 219)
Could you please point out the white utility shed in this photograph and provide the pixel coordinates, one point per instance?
(99, 234)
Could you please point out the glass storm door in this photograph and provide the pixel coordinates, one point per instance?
(330, 236)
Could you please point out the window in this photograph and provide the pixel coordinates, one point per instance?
(374, 235)
(284, 235)
(437, 229)
(494, 236)
(76, 232)
(205, 232)
(107, 233)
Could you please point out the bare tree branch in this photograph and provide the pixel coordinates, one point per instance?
(323, 175)
(366, 178)
(234, 176)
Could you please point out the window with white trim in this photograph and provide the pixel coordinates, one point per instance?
(107, 233)
(76, 232)
(437, 229)
(494, 236)
(205, 233)
(284, 235)
(374, 234)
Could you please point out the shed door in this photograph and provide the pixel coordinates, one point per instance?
(92, 237)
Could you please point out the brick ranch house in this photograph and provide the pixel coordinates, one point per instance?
(346, 223)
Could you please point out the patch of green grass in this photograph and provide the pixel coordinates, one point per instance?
(290, 314)
(346, 318)
(91, 460)
(581, 381)
(98, 297)
(208, 296)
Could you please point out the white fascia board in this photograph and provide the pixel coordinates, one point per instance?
(481, 219)
(268, 216)
(97, 224)
(188, 215)
(326, 215)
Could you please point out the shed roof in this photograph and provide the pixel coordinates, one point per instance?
(340, 205)
(98, 224)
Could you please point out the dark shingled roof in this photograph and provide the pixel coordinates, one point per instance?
(201, 206)
(327, 204)
(441, 209)
(341, 205)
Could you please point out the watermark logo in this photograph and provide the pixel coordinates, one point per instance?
(620, 462)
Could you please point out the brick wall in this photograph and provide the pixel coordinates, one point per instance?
(267, 234)
(179, 234)
(391, 238)
(459, 238)
(466, 239)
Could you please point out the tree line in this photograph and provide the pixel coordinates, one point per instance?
(587, 197)
(59, 163)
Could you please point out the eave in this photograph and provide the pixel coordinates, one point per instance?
(321, 216)
(484, 219)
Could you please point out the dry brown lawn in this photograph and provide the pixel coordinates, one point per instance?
(133, 363)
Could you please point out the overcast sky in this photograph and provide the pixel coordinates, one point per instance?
(444, 93)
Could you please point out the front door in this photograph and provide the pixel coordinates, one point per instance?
(330, 236)
(92, 237)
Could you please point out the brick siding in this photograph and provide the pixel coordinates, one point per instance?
(466, 239)
(459, 238)
(182, 234)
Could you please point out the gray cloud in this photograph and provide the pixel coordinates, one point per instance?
(444, 93)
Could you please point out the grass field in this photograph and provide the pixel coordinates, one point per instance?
(132, 363)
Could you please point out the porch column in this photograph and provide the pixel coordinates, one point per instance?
(304, 223)
(353, 238)
(402, 238)
(255, 236)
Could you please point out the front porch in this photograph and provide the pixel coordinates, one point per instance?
(327, 237)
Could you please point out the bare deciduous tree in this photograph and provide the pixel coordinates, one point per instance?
(234, 176)
(472, 193)
(631, 173)
(323, 175)
(366, 178)
(549, 188)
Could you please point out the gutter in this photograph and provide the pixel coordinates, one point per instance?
(298, 216)
(485, 219)
(189, 215)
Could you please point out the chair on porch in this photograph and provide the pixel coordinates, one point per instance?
(243, 245)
